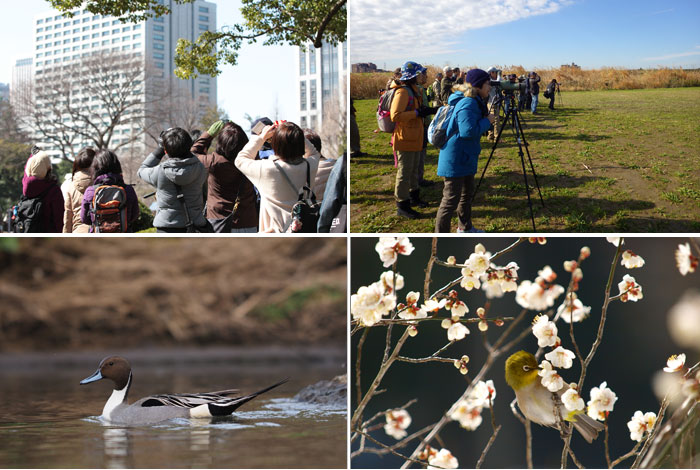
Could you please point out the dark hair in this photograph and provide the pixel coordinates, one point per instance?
(288, 142)
(231, 141)
(177, 143)
(410, 81)
(105, 161)
(196, 134)
(84, 159)
(314, 138)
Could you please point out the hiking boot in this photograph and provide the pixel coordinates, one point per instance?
(416, 200)
(403, 209)
(471, 230)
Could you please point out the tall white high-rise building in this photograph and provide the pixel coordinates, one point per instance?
(22, 74)
(62, 41)
(322, 77)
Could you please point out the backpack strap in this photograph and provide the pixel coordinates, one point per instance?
(181, 198)
(289, 181)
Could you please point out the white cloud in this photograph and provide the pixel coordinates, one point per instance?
(674, 56)
(405, 29)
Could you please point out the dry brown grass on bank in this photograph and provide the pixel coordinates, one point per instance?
(79, 292)
(367, 85)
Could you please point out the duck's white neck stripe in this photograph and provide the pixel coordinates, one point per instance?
(117, 398)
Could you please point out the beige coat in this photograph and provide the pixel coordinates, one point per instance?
(325, 165)
(73, 198)
(276, 196)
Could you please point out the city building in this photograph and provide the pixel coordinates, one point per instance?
(322, 77)
(365, 67)
(63, 42)
(22, 74)
(4, 92)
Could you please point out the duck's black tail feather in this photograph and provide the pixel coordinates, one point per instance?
(226, 407)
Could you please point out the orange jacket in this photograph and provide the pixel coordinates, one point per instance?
(408, 133)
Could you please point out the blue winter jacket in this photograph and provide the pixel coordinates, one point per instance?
(461, 154)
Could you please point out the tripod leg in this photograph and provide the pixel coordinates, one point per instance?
(532, 167)
(495, 143)
(518, 136)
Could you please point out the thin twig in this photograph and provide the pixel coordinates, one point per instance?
(653, 433)
(607, 446)
(488, 446)
(382, 413)
(358, 363)
(390, 450)
(626, 456)
(398, 445)
(528, 432)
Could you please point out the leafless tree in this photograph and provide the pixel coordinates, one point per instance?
(333, 131)
(89, 102)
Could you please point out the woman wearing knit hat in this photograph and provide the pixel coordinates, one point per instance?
(40, 182)
(457, 162)
(407, 111)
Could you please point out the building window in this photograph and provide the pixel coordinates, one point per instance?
(158, 28)
(86, 37)
(95, 35)
(204, 90)
(204, 18)
(115, 40)
(137, 26)
(159, 56)
(314, 121)
(105, 24)
(158, 20)
(40, 21)
(312, 60)
(203, 27)
(104, 43)
(160, 65)
(303, 121)
(95, 26)
(115, 22)
(313, 94)
(137, 36)
(40, 30)
(105, 33)
(302, 96)
(126, 28)
(158, 37)
(95, 44)
(302, 61)
(116, 31)
(203, 10)
(158, 46)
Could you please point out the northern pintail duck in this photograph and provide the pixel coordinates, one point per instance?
(156, 408)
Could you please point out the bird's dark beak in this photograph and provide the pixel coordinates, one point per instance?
(93, 378)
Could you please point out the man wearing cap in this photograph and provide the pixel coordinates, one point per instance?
(407, 111)
(494, 74)
(446, 84)
(534, 90)
(437, 88)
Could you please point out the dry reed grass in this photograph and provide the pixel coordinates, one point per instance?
(136, 292)
(367, 85)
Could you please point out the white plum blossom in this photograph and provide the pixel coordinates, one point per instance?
(573, 310)
(443, 459)
(547, 274)
(468, 415)
(389, 248)
(629, 289)
(500, 279)
(469, 281)
(640, 424)
(545, 331)
(477, 263)
(614, 240)
(602, 399)
(388, 278)
(630, 260)
(550, 378)
(493, 290)
(457, 308)
(432, 306)
(455, 330)
(411, 310)
(561, 357)
(483, 393)
(572, 400)
(396, 423)
(536, 296)
(371, 303)
(685, 261)
(675, 363)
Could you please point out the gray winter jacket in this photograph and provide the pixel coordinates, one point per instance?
(190, 174)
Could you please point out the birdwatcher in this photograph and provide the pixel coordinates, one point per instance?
(551, 90)
(436, 89)
(446, 84)
(534, 90)
(494, 74)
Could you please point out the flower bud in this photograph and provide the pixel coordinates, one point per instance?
(412, 331)
(585, 252)
(481, 312)
(451, 260)
(499, 322)
(483, 325)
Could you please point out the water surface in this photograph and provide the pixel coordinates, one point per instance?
(48, 420)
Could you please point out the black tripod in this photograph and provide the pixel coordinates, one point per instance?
(514, 115)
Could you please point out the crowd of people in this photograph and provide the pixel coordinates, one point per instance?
(476, 111)
(241, 185)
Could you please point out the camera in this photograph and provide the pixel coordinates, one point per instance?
(508, 86)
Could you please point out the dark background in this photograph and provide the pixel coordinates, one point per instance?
(635, 345)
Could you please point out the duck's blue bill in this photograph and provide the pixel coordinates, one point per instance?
(94, 377)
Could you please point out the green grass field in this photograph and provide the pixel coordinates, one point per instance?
(606, 161)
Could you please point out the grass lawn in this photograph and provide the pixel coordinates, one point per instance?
(606, 161)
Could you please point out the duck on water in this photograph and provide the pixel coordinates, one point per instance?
(156, 408)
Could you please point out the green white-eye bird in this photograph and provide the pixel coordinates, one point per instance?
(535, 401)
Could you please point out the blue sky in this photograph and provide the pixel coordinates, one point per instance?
(532, 33)
(263, 80)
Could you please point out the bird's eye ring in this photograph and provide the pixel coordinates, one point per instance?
(526, 368)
